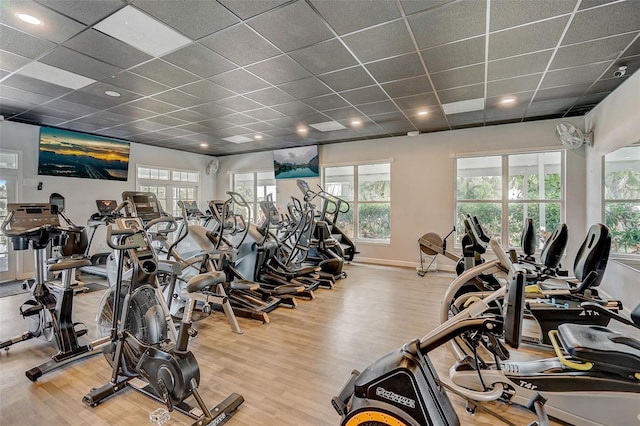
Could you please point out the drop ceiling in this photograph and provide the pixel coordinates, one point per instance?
(234, 76)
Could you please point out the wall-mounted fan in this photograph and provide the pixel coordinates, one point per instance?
(570, 136)
(213, 166)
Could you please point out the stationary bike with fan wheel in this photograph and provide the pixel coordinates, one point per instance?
(144, 343)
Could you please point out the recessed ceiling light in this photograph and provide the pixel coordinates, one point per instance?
(28, 19)
(141, 31)
(258, 137)
(464, 106)
(204, 145)
(112, 93)
(423, 112)
(302, 130)
(508, 100)
(356, 122)
(237, 139)
(54, 75)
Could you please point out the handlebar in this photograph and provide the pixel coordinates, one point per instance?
(173, 224)
(122, 232)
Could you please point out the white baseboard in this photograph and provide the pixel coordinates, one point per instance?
(400, 263)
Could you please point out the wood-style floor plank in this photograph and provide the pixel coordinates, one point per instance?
(287, 370)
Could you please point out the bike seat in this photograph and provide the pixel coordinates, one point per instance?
(202, 281)
(601, 346)
(69, 264)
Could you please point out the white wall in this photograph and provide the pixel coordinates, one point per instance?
(615, 123)
(80, 194)
(422, 179)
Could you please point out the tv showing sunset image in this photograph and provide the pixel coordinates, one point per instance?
(73, 154)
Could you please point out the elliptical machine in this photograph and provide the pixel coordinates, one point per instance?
(144, 342)
(48, 312)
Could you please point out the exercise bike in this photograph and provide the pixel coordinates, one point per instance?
(144, 343)
(403, 389)
(48, 312)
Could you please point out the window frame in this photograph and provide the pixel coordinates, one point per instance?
(255, 203)
(505, 201)
(608, 201)
(356, 202)
(170, 184)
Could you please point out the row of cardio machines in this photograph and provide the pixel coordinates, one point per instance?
(139, 339)
(591, 378)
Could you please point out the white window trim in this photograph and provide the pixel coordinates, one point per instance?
(170, 184)
(504, 201)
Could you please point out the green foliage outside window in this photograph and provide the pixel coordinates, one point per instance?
(374, 221)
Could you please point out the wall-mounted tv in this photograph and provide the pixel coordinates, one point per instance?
(296, 163)
(72, 154)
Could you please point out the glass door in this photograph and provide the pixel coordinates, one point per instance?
(8, 267)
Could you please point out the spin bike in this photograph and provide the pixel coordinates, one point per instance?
(144, 343)
(48, 312)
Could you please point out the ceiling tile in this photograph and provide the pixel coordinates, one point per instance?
(513, 85)
(345, 115)
(606, 49)
(281, 69)
(587, 4)
(132, 111)
(207, 90)
(574, 90)
(521, 99)
(451, 22)
(23, 95)
(136, 83)
(323, 57)
(294, 108)
(569, 76)
(634, 49)
(100, 88)
(615, 18)
(461, 93)
(11, 62)
(239, 81)
(508, 13)
(364, 95)
(454, 55)
(291, 27)
(240, 44)
(69, 60)
(413, 6)
(325, 102)
(410, 86)
(632, 63)
(199, 60)
(107, 49)
(382, 107)
(458, 77)
(187, 115)
(380, 42)
(54, 27)
(87, 12)
(345, 17)
(181, 99)
(247, 9)
(260, 126)
(417, 101)
(466, 118)
(518, 65)
(397, 68)
(270, 96)
(263, 114)
(305, 88)
(22, 44)
(36, 86)
(529, 38)
(350, 78)
(165, 73)
(239, 103)
(549, 107)
(195, 19)
(154, 105)
(238, 119)
(212, 110)
(92, 100)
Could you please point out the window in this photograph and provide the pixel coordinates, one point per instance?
(367, 189)
(169, 186)
(504, 190)
(254, 187)
(622, 199)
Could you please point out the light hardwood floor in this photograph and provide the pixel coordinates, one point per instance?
(287, 370)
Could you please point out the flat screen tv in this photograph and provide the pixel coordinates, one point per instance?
(72, 154)
(296, 163)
